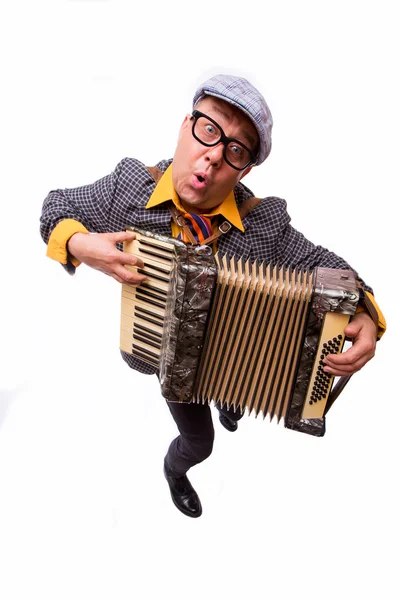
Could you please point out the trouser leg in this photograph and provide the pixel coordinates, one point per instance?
(195, 442)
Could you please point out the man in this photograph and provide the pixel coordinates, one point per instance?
(228, 132)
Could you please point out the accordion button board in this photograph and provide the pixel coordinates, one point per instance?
(331, 342)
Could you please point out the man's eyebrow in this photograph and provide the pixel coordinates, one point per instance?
(249, 138)
(221, 112)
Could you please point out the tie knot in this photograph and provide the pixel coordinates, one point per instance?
(199, 226)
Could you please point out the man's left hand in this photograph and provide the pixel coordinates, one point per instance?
(362, 330)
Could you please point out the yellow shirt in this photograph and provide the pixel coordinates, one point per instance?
(165, 191)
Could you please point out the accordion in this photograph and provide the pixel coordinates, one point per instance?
(242, 334)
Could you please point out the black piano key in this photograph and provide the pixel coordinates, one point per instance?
(150, 294)
(146, 336)
(160, 319)
(148, 301)
(156, 246)
(148, 286)
(148, 320)
(144, 272)
(145, 351)
(149, 359)
(151, 253)
(147, 341)
(147, 330)
(155, 268)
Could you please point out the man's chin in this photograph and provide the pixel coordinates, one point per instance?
(193, 206)
(192, 201)
(197, 200)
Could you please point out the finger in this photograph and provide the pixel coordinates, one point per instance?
(117, 278)
(344, 371)
(110, 274)
(127, 276)
(341, 373)
(130, 259)
(342, 365)
(122, 236)
(352, 329)
(361, 350)
(345, 358)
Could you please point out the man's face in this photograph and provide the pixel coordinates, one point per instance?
(201, 176)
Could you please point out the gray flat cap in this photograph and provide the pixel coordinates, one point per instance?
(242, 94)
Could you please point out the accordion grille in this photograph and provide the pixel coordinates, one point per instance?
(253, 338)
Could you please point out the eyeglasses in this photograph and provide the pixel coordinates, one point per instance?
(207, 131)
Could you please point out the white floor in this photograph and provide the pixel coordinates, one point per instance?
(85, 512)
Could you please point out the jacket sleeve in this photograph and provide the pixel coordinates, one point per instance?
(295, 250)
(89, 205)
(83, 209)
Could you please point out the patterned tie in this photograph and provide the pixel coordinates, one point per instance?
(199, 226)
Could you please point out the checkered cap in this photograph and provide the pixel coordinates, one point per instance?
(241, 93)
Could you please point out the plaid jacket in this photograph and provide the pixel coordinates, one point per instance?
(119, 199)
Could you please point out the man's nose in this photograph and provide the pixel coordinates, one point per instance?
(215, 154)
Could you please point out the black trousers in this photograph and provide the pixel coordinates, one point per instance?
(195, 442)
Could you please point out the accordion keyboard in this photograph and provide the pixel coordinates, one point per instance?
(143, 307)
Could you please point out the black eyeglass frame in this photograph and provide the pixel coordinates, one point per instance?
(196, 114)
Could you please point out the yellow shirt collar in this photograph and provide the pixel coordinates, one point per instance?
(165, 191)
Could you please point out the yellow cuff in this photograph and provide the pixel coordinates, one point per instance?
(378, 318)
(57, 246)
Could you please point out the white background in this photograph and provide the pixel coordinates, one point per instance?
(84, 509)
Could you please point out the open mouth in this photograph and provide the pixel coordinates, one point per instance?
(199, 180)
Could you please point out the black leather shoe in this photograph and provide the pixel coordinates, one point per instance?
(228, 423)
(183, 495)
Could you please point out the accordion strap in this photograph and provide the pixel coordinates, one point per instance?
(244, 209)
(156, 173)
(336, 390)
(180, 220)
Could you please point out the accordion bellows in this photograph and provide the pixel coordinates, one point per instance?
(238, 333)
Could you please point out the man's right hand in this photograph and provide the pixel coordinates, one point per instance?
(99, 252)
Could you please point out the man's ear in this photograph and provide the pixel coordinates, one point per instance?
(186, 120)
(185, 124)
